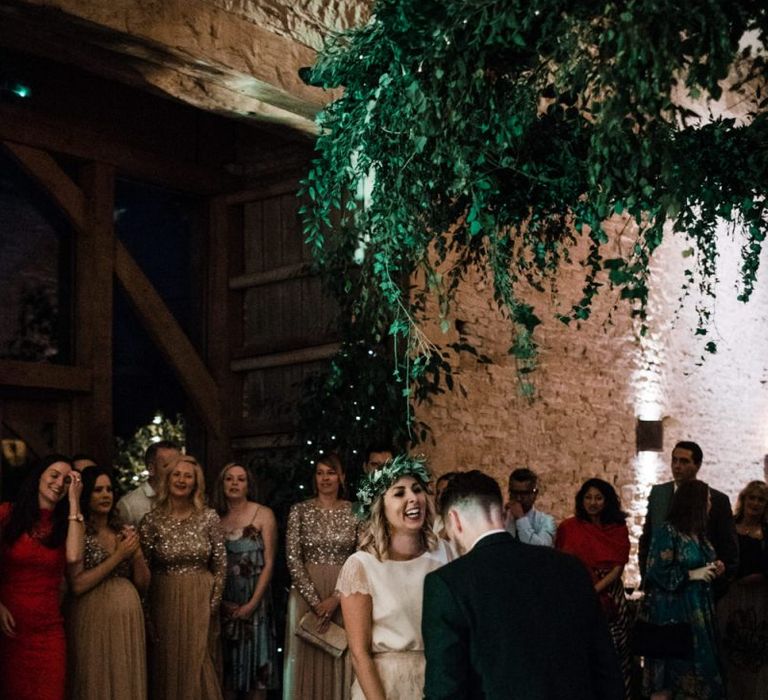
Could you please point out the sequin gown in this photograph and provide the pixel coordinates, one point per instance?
(318, 543)
(188, 564)
(33, 663)
(107, 623)
(249, 646)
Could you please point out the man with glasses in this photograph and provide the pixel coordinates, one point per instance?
(523, 521)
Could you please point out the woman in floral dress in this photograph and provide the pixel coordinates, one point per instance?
(681, 567)
(248, 632)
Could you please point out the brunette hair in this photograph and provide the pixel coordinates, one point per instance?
(752, 488)
(198, 495)
(219, 497)
(375, 537)
(25, 514)
(688, 510)
(612, 513)
(333, 461)
(89, 477)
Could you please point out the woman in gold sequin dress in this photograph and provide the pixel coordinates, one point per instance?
(322, 533)
(183, 544)
(105, 619)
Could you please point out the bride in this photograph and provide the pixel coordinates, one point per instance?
(381, 584)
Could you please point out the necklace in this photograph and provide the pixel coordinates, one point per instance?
(755, 531)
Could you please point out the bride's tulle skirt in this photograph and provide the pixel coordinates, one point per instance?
(401, 673)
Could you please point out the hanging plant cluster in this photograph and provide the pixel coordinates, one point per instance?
(502, 135)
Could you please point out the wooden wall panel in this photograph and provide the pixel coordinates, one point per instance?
(288, 324)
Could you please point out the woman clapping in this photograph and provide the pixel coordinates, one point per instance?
(105, 582)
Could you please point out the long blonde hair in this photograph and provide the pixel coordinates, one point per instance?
(753, 487)
(198, 495)
(375, 538)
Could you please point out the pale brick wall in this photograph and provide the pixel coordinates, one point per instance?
(592, 383)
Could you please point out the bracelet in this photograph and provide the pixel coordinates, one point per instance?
(79, 517)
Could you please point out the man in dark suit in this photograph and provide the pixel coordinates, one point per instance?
(507, 620)
(721, 530)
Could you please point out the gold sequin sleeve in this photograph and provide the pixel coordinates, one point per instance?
(147, 534)
(299, 576)
(218, 561)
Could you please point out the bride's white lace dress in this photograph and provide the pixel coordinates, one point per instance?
(396, 589)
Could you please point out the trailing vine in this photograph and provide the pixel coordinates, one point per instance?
(499, 135)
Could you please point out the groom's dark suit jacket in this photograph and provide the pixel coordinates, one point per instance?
(510, 621)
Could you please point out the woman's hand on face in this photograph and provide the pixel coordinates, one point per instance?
(74, 490)
(7, 623)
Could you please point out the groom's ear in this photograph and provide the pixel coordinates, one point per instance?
(455, 519)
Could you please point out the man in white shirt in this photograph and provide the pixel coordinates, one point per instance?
(523, 521)
(135, 505)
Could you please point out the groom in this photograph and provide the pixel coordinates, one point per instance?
(510, 621)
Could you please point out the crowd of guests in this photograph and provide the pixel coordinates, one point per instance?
(410, 588)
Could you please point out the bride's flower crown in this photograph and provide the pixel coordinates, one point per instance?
(378, 481)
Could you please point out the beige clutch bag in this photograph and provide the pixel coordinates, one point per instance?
(333, 640)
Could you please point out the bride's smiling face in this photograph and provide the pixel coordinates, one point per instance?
(405, 505)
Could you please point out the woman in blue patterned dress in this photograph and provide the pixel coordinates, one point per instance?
(681, 566)
(248, 633)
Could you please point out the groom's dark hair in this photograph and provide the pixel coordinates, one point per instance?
(470, 487)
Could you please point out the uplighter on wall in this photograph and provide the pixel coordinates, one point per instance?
(649, 436)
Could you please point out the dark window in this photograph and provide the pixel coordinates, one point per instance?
(35, 271)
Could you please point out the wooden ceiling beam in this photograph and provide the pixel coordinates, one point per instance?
(47, 173)
(76, 139)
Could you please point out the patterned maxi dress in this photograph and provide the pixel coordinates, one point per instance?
(672, 597)
(318, 543)
(121, 674)
(249, 646)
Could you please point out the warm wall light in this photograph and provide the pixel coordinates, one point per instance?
(649, 436)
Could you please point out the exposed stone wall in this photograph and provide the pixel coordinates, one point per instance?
(235, 57)
(305, 21)
(592, 384)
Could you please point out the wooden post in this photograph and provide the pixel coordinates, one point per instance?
(94, 270)
(219, 307)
